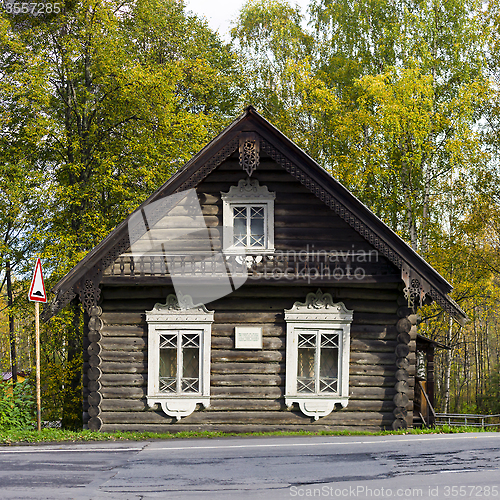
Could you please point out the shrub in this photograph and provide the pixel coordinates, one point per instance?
(489, 403)
(17, 406)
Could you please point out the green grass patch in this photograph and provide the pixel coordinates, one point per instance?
(18, 436)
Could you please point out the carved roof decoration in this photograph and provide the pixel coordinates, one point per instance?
(249, 153)
(251, 135)
(318, 300)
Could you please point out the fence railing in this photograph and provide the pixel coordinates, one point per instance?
(430, 418)
(469, 419)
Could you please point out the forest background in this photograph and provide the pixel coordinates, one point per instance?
(398, 99)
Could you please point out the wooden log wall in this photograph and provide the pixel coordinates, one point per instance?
(92, 372)
(247, 386)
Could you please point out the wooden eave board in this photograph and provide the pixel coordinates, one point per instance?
(422, 339)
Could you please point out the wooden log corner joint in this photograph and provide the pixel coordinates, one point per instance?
(407, 330)
(309, 317)
(94, 397)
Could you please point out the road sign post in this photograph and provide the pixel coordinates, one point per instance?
(37, 351)
(37, 294)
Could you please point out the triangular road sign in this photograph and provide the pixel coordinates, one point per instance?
(37, 288)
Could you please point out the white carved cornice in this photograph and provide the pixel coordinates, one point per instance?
(173, 311)
(248, 189)
(319, 306)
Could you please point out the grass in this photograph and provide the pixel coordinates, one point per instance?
(16, 436)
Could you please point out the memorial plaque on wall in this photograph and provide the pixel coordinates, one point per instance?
(248, 337)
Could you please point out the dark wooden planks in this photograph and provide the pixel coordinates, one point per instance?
(246, 417)
(249, 380)
(247, 386)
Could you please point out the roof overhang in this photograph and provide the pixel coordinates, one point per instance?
(415, 271)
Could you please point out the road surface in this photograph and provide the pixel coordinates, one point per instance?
(361, 467)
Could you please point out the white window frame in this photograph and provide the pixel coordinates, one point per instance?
(248, 193)
(170, 317)
(317, 313)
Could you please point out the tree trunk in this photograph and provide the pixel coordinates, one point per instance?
(477, 367)
(425, 213)
(72, 404)
(12, 333)
(447, 371)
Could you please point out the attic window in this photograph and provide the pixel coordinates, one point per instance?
(317, 354)
(248, 217)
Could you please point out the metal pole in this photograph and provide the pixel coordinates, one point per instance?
(37, 353)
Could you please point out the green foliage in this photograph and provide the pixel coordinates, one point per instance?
(17, 406)
(400, 102)
(142, 87)
(489, 402)
(383, 100)
(58, 435)
(100, 105)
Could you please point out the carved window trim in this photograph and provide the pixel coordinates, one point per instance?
(170, 317)
(248, 193)
(318, 313)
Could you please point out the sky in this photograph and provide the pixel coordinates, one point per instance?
(219, 13)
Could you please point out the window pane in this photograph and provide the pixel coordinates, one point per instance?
(190, 362)
(257, 212)
(305, 362)
(257, 227)
(190, 370)
(329, 362)
(305, 375)
(168, 368)
(240, 212)
(190, 339)
(240, 226)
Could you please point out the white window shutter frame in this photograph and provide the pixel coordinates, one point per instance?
(248, 192)
(170, 316)
(317, 312)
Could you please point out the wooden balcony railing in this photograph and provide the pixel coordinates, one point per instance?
(294, 265)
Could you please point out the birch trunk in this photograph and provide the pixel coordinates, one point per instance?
(447, 370)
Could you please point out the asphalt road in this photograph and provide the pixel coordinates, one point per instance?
(402, 467)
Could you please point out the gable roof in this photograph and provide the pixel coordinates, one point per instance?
(301, 166)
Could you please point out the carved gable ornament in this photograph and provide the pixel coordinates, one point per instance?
(175, 311)
(249, 149)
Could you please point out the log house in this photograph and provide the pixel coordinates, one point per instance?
(303, 317)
